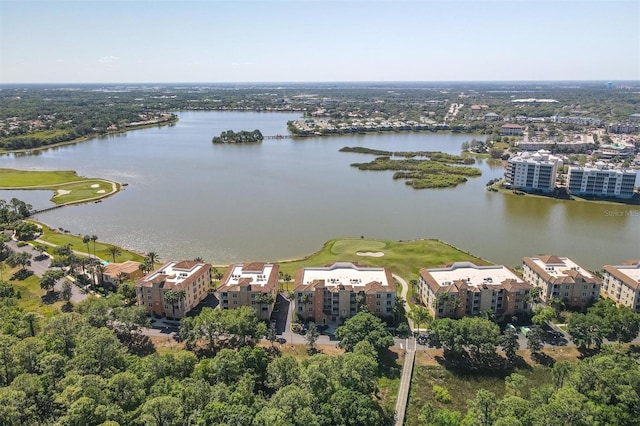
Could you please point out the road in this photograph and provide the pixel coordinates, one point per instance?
(40, 263)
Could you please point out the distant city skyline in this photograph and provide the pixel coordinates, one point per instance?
(317, 41)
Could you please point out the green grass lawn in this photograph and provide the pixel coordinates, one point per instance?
(31, 295)
(404, 258)
(462, 387)
(102, 249)
(68, 187)
(19, 179)
(84, 190)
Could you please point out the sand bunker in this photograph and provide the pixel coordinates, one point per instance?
(63, 192)
(95, 185)
(102, 191)
(370, 253)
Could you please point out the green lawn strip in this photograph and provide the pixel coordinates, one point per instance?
(31, 295)
(404, 258)
(462, 387)
(23, 179)
(102, 249)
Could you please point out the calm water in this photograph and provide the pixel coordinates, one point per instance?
(283, 198)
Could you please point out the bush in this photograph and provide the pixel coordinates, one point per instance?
(441, 394)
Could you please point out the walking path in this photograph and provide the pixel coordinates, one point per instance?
(403, 295)
(405, 381)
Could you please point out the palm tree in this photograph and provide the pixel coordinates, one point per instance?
(94, 238)
(121, 277)
(198, 259)
(114, 252)
(86, 240)
(99, 271)
(153, 258)
(145, 267)
(172, 297)
(263, 299)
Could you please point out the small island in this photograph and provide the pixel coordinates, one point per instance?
(243, 136)
(435, 171)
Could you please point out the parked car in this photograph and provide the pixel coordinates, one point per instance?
(281, 340)
(422, 339)
(525, 330)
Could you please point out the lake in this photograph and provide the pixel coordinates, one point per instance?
(283, 198)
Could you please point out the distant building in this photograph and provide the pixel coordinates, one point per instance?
(634, 117)
(114, 273)
(601, 182)
(491, 116)
(582, 121)
(250, 284)
(512, 129)
(623, 128)
(193, 278)
(549, 145)
(465, 289)
(563, 279)
(532, 172)
(622, 284)
(331, 294)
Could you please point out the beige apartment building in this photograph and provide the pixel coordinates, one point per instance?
(114, 273)
(331, 294)
(562, 278)
(250, 284)
(622, 284)
(465, 289)
(192, 278)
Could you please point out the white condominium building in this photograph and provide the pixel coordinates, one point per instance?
(530, 172)
(599, 181)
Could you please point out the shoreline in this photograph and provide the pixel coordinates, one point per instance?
(89, 137)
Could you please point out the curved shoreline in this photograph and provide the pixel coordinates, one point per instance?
(89, 137)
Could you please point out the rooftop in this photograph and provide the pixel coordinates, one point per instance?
(629, 274)
(472, 274)
(558, 269)
(255, 274)
(346, 274)
(173, 274)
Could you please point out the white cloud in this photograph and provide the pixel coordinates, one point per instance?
(108, 59)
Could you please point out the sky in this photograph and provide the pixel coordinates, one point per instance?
(316, 41)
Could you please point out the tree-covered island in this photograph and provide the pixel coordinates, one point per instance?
(435, 171)
(243, 136)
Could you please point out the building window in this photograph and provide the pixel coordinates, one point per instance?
(235, 302)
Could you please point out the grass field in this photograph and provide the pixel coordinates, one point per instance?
(102, 249)
(31, 295)
(19, 179)
(462, 387)
(404, 258)
(68, 187)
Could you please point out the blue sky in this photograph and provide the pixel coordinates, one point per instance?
(297, 41)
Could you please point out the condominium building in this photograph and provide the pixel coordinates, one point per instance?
(466, 289)
(533, 172)
(190, 278)
(512, 129)
(250, 284)
(331, 294)
(622, 284)
(599, 181)
(561, 278)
